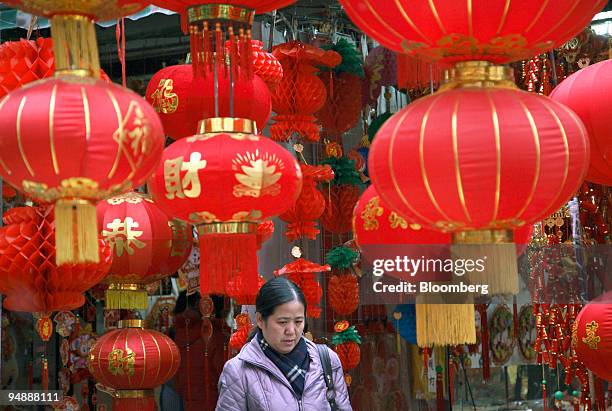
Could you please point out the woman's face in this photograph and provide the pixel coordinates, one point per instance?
(284, 328)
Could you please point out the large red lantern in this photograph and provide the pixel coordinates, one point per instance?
(586, 92)
(132, 362)
(144, 241)
(73, 140)
(29, 278)
(182, 100)
(226, 180)
(591, 336)
(497, 31)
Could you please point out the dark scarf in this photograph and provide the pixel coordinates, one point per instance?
(293, 365)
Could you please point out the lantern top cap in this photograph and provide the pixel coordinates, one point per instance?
(133, 323)
(478, 74)
(227, 125)
(220, 12)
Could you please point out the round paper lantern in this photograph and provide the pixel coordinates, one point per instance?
(147, 246)
(226, 180)
(586, 92)
(182, 101)
(29, 278)
(24, 61)
(133, 361)
(343, 293)
(497, 31)
(266, 65)
(591, 336)
(473, 158)
(73, 141)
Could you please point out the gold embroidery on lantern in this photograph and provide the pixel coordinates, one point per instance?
(120, 364)
(189, 186)
(164, 99)
(130, 198)
(258, 175)
(122, 237)
(76, 187)
(416, 227)
(247, 215)
(396, 221)
(370, 212)
(591, 339)
(180, 240)
(203, 217)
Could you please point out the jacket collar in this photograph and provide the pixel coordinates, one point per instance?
(254, 355)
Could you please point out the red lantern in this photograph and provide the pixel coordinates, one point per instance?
(342, 109)
(302, 272)
(591, 336)
(301, 93)
(147, 246)
(586, 93)
(339, 203)
(182, 101)
(309, 205)
(226, 182)
(24, 61)
(479, 159)
(266, 65)
(343, 293)
(96, 9)
(132, 362)
(56, 150)
(260, 6)
(499, 31)
(29, 278)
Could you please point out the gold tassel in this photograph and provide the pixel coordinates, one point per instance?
(498, 250)
(445, 324)
(126, 297)
(76, 233)
(75, 46)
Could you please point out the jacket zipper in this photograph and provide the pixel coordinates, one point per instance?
(300, 405)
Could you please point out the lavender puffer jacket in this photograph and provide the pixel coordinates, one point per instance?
(251, 382)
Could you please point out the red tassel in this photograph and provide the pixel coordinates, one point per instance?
(600, 396)
(131, 404)
(219, 47)
(249, 52)
(222, 257)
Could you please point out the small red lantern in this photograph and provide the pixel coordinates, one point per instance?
(301, 93)
(182, 101)
(266, 65)
(302, 216)
(586, 92)
(303, 273)
(147, 246)
(343, 293)
(29, 277)
(132, 361)
(24, 61)
(226, 180)
(591, 336)
(346, 341)
(499, 31)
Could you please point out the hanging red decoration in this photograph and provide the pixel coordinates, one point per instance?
(303, 273)
(346, 341)
(343, 293)
(182, 100)
(342, 109)
(226, 180)
(243, 328)
(417, 73)
(591, 336)
(29, 278)
(474, 30)
(586, 93)
(266, 65)
(301, 93)
(144, 240)
(44, 328)
(302, 216)
(259, 6)
(265, 230)
(96, 9)
(239, 288)
(24, 61)
(132, 362)
(340, 195)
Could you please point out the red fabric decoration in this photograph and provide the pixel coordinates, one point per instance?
(349, 354)
(591, 336)
(128, 359)
(342, 108)
(540, 165)
(240, 336)
(226, 183)
(98, 10)
(44, 328)
(303, 273)
(301, 93)
(309, 205)
(586, 92)
(182, 101)
(74, 141)
(343, 293)
(265, 230)
(475, 30)
(29, 278)
(239, 289)
(147, 244)
(340, 201)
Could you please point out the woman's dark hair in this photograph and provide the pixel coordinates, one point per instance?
(273, 293)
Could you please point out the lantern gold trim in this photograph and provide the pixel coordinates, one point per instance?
(131, 323)
(228, 228)
(478, 74)
(220, 12)
(75, 46)
(226, 125)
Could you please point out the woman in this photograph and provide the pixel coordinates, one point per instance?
(278, 369)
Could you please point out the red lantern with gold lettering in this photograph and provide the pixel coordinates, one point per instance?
(147, 246)
(496, 31)
(226, 180)
(131, 362)
(73, 139)
(591, 336)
